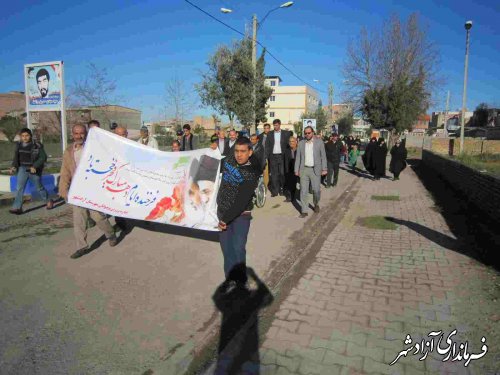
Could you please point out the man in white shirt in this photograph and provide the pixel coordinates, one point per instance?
(233, 136)
(276, 145)
(146, 139)
(310, 165)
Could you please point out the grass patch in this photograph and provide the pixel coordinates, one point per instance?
(414, 152)
(376, 222)
(385, 197)
(488, 163)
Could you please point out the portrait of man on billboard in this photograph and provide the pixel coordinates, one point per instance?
(44, 86)
(42, 81)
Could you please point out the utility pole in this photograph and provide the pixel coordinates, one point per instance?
(254, 64)
(446, 113)
(468, 26)
(330, 99)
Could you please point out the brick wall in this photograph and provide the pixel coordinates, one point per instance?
(482, 190)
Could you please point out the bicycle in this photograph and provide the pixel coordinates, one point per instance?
(260, 193)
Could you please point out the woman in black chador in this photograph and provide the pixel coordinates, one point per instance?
(380, 155)
(368, 156)
(398, 159)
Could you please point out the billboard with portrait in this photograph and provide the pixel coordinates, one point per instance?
(309, 122)
(44, 86)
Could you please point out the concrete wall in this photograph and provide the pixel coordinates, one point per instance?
(482, 190)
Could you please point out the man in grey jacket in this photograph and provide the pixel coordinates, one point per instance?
(310, 165)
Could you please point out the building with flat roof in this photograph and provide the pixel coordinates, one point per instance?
(336, 111)
(288, 103)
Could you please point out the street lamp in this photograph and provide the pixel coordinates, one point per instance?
(255, 26)
(468, 26)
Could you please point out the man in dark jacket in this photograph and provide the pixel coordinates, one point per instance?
(258, 151)
(188, 142)
(29, 159)
(276, 145)
(291, 180)
(333, 150)
(234, 204)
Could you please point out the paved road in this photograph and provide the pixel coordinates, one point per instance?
(143, 305)
(357, 294)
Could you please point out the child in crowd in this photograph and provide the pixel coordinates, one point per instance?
(353, 156)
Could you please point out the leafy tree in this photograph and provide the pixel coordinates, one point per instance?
(227, 87)
(481, 115)
(374, 107)
(297, 127)
(10, 126)
(345, 124)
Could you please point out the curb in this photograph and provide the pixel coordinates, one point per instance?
(8, 198)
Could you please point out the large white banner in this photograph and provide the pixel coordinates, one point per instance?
(123, 178)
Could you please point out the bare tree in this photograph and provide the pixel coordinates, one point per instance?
(96, 89)
(177, 99)
(397, 51)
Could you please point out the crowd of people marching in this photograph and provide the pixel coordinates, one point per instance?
(292, 167)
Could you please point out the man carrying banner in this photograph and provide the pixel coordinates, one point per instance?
(71, 159)
(234, 200)
(146, 139)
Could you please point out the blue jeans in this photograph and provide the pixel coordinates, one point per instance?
(233, 243)
(23, 174)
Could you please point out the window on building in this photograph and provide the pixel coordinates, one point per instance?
(272, 98)
(271, 114)
(273, 83)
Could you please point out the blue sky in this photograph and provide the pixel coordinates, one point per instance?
(145, 44)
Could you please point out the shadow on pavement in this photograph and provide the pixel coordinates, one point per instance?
(238, 350)
(438, 238)
(178, 231)
(477, 235)
(57, 203)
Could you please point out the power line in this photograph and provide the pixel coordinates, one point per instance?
(260, 44)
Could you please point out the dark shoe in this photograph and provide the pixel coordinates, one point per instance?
(282, 193)
(50, 204)
(303, 215)
(288, 200)
(113, 241)
(316, 209)
(16, 211)
(274, 195)
(79, 253)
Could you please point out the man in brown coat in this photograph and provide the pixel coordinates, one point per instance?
(71, 158)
